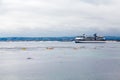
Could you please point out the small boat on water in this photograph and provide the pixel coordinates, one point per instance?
(90, 39)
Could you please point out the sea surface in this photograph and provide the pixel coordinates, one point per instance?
(52, 60)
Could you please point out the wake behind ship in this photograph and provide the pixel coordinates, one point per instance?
(90, 39)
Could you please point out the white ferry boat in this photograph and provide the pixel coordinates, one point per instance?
(90, 39)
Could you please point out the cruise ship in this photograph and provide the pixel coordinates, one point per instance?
(90, 39)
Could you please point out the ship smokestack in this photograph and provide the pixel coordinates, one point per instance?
(95, 36)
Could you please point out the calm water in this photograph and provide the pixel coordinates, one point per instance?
(59, 61)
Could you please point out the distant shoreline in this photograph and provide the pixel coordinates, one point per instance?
(62, 39)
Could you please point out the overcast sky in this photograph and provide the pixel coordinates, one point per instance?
(59, 17)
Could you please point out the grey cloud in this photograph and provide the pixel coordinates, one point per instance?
(98, 2)
(58, 17)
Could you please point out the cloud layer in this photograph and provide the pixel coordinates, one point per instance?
(59, 17)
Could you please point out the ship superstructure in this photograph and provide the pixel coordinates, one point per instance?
(94, 38)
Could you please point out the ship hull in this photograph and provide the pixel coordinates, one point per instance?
(90, 42)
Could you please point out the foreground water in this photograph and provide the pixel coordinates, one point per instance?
(59, 61)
